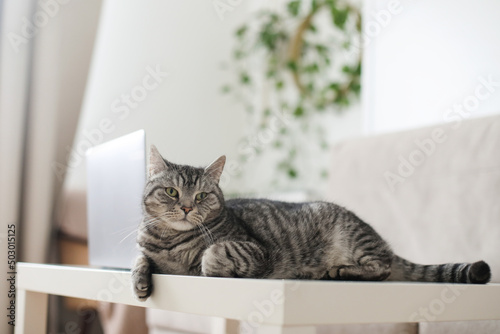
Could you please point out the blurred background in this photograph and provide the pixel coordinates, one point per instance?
(271, 84)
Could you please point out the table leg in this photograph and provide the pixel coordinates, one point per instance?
(232, 326)
(225, 326)
(31, 312)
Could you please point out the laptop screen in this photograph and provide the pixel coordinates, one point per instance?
(116, 175)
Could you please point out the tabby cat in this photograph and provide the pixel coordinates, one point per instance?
(189, 229)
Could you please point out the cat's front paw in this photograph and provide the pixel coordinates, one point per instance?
(215, 262)
(142, 287)
(141, 280)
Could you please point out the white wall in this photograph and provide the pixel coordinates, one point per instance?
(185, 115)
(426, 58)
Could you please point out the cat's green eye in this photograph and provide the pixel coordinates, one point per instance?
(201, 196)
(172, 192)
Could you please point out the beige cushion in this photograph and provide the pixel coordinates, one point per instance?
(460, 327)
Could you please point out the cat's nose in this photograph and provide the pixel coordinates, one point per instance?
(186, 209)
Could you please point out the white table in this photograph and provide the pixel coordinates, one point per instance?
(270, 306)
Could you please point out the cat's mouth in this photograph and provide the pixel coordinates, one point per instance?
(190, 219)
(182, 224)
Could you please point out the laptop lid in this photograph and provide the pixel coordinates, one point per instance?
(116, 175)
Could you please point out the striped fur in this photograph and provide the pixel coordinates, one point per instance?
(258, 238)
(404, 270)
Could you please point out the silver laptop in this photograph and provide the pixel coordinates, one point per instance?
(116, 175)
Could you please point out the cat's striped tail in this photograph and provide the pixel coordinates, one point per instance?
(404, 270)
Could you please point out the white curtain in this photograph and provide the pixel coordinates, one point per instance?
(45, 51)
(14, 97)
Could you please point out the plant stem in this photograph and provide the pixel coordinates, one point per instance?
(295, 49)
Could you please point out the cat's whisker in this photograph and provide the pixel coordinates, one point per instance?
(162, 233)
(155, 219)
(128, 235)
(126, 229)
(208, 238)
(209, 233)
(205, 230)
(202, 232)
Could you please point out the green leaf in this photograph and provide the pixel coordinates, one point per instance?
(226, 89)
(293, 7)
(347, 69)
(240, 32)
(282, 165)
(356, 88)
(334, 86)
(310, 87)
(292, 65)
(314, 5)
(271, 73)
(322, 49)
(342, 101)
(330, 3)
(278, 144)
(358, 69)
(244, 78)
(292, 173)
(340, 16)
(321, 105)
(312, 68)
(298, 112)
(279, 85)
(238, 54)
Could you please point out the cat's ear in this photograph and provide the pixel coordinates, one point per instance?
(156, 162)
(214, 170)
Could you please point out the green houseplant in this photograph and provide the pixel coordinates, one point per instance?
(296, 65)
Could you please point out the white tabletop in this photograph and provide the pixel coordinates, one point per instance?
(274, 302)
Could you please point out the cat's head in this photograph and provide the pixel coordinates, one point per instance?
(182, 197)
